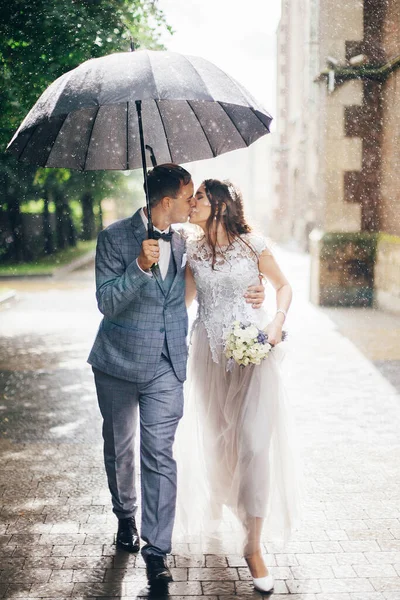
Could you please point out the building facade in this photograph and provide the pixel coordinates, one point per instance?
(337, 148)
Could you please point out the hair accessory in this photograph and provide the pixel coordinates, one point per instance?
(231, 190)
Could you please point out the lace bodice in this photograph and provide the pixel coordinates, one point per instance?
(220, 291)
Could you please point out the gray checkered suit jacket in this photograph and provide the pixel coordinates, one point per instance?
(138, 313)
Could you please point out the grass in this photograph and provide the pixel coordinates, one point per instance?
(47, 264)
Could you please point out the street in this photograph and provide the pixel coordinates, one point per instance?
(57, 529)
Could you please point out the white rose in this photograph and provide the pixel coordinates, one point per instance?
(253, 331)
(237, 354)
(253, 352)
(250, 333)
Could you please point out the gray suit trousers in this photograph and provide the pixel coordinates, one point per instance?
(160, 404)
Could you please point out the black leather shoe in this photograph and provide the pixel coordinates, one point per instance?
(157, 569)
(127, 536)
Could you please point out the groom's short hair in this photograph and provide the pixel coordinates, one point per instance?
(166, 180)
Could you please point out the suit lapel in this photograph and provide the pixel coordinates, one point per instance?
(177, 247)
(139, 230)
(158, 278)
(140, 233)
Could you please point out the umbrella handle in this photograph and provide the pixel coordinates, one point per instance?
(143, 151)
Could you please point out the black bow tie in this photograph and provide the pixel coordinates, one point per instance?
(167, 237)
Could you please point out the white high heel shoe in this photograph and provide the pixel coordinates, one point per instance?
(264, 584)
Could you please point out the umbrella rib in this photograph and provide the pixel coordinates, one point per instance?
(235, 83)
(233, 123)
(244, 93)
(205, 135)
(148, 56)
(165, 132)
(90, 138)
(198, 75)
(55, 139)
(19, 157)
(255, 114)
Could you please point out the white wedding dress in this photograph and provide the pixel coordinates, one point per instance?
(234, 446)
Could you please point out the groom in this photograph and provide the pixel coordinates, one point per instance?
(139, 360)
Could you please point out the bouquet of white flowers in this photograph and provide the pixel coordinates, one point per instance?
(246, 344)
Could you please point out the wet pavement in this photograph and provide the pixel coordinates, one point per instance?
(376, 334)
(46, 333)
(56, 527)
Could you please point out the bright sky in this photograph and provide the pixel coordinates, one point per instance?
(238, 37)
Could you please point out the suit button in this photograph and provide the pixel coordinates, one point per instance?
(162, 329)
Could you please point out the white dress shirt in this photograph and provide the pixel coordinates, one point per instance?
(165, 249)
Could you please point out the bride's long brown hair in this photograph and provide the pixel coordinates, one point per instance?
(226, 209)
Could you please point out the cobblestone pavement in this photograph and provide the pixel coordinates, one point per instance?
(56, 527)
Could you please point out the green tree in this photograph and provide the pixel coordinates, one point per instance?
(39, 41)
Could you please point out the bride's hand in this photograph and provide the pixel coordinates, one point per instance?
(255, 295)
(274, 332)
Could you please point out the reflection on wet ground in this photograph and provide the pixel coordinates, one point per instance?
(48, 405)
(46, 387)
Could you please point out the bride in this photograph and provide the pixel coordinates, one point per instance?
(234, 443)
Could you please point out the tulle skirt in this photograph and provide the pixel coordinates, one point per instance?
(236, 450)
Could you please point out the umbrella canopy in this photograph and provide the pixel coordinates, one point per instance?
(88, 118)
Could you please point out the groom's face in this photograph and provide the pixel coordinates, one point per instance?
(183, 204)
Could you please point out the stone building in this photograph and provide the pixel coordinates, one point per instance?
(337, 147)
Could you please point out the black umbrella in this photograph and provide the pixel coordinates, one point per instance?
(108, 111)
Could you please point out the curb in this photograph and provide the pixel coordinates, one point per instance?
(75, 264)
(10, 295)
(58, 271)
